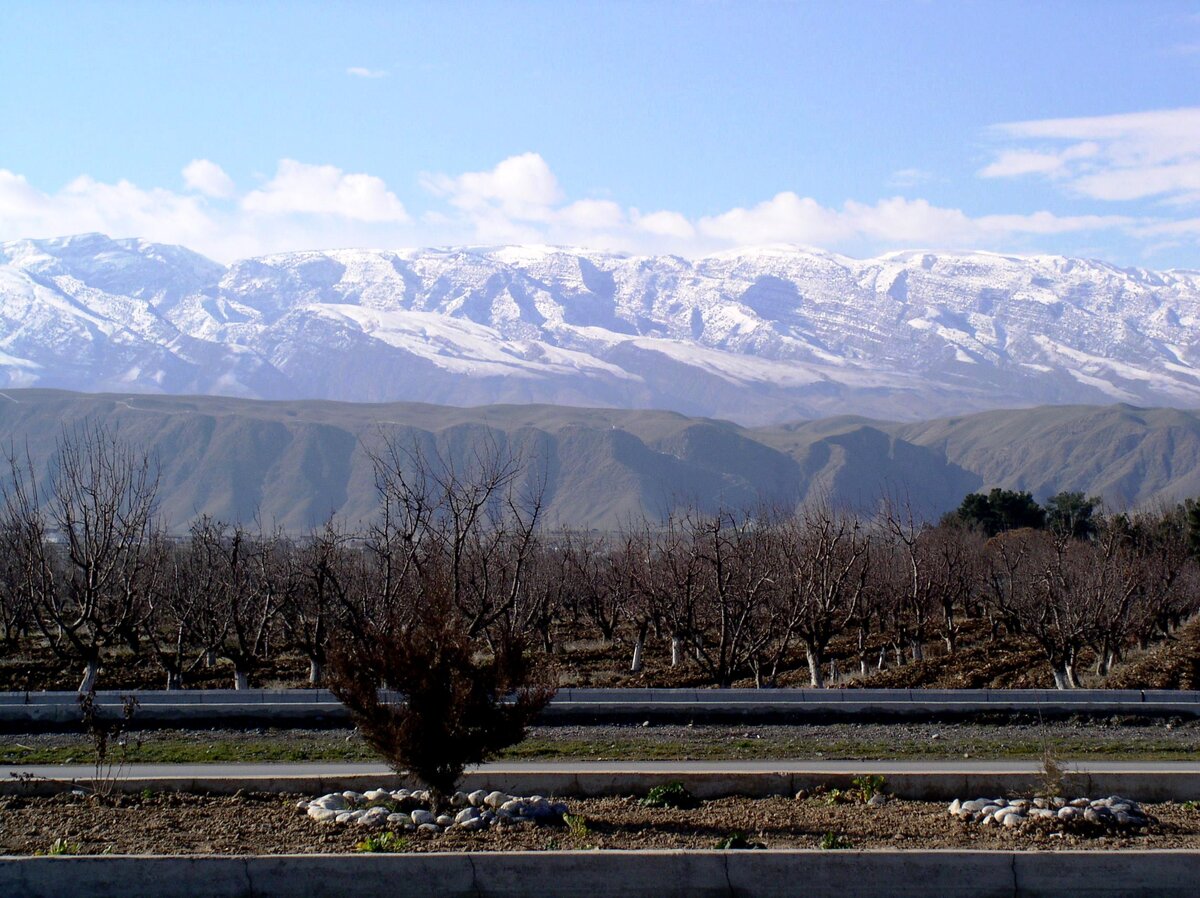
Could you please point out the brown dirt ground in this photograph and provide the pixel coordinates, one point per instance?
(270, 824)
(1011, 662)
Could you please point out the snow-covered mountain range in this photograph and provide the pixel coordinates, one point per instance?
(758, 335)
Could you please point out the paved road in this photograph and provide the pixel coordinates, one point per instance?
(154, 771)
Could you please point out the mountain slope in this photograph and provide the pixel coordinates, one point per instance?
(294, 463)
(757, 336)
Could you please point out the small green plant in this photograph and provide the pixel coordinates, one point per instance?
(383, 842)
(60, 847)
(833, 842)
(147, 794)
(670, 795)
(868, 786)
(836, 796)
(738, 841)
(1190, 805)
(577, 825)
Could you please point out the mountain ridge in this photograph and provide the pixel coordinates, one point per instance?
(293, 463)
(760, 336)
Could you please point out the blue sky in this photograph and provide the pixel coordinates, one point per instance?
(686, 127)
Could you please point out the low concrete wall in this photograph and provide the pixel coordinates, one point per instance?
(676, 874)
(922, 786)
(38, 711)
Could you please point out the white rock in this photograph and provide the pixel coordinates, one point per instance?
(374, 817)
(473, 825)
(302, 805)
(477, 798)
(377, 795)
(459, 800)
(323, 815)
(398, 819)
(429, 828)
(421, 817)
(1068, 813)
(344, 817)
(496, 799)
(955, 807)
(1012, 820)
(353, 798)
(466, 814)
(334, 801)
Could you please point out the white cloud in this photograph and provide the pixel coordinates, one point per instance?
(208, 178)
(361, 72)
(520, 200)
(521, 187)
(592, 215)
(1123, 157)
(325, 190)
(121, 208)
(894, 222)
(665, 224)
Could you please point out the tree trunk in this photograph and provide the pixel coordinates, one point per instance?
(815, 675)
(210, 658)
(90, 671)
(241, 680)
(635, 666)
(174, 680)
(316, 671)
(1061, 677)
(676, 651)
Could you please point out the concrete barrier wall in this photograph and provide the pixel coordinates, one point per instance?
(916, 785)
(695, 874)
(318, 708)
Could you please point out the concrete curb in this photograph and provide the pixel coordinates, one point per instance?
(663, 874)
(1148, 786)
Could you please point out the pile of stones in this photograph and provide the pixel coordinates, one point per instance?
(1112, 814)
(408, 811)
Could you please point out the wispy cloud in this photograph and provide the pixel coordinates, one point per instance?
(361, 72)
(910, 177)
(1130, 156)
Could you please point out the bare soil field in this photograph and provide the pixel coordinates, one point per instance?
(1009, 663)
(270, 824)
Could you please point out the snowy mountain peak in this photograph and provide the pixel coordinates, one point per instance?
(757, 334)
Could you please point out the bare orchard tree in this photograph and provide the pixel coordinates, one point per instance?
(15, 607)
(252, 577)
(327, 566)
(736, 565)
(823, 575)
(86, 544)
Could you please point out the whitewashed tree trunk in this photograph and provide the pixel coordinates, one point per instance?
(676, 651)
(315, 671)
(90, 672)
(635, 666)
(815, 674)
(241, 680)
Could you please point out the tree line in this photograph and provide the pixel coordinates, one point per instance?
(457, 558)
